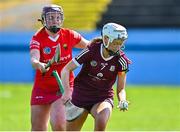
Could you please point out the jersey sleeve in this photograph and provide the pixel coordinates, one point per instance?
(34, 44)
(121, 53)
(75, 37)
(123, 63)
(82, 57)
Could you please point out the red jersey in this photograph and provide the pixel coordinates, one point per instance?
(47, 46)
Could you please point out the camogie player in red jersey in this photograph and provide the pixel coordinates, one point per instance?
(45, 98)
(101, 62)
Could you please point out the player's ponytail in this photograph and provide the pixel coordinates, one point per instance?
(97, 40)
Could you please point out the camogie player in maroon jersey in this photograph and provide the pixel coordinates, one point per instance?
(102, 62)
(45, 98)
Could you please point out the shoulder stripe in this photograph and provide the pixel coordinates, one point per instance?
(82, 53)
(125, 67)
(123, 63)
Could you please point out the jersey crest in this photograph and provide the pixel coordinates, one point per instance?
(47, 50)
(65, 46)
(93, 63)
(112, 68)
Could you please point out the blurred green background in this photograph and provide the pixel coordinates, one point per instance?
(152, 108)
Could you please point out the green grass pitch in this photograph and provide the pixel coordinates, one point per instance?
(152, 108)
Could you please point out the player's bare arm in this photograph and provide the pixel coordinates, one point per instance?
(35, 56)
(65, 77)
(82, 44)
(121, 93)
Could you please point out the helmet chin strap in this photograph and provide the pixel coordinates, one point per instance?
(104, 44)
(53, 29)
(112, 53)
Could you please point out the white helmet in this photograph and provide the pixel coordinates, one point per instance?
(113, 31)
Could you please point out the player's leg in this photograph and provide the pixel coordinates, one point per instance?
(77, 124)
(39, 117)
(101, 113)
(57, 116)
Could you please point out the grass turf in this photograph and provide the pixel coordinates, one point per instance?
(155, 108)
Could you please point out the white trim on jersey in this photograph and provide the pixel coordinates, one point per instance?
(82, 53)
(34, 46)
(34, 42)
(75, 62)
(101, 51)
(123, 63)
(54, 39)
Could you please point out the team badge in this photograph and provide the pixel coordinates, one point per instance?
(47, 50)
(93, 63)
(100, 75)
(65, 46)
(112, 68)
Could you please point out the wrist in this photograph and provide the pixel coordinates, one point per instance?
(35, 64)
(38, 65)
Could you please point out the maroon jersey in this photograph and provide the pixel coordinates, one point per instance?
(97, 76)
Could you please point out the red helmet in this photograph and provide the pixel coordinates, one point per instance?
(52, 17)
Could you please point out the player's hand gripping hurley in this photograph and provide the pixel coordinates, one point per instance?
(123, 105)
(56, 57)
(72, 111)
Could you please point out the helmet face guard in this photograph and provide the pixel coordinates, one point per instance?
(113, 31)
(52, 18)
